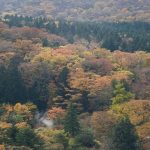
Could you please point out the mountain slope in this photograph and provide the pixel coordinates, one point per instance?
(94, 10)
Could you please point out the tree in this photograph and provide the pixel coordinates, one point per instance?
(121, 94)
(123, 136)
(27, 137)
(45, 42)
(63, 76)
(101, 66)
(86, 138)
(71, 124)
(11, 133)
(101, 123)
(61, 138)
(2, 147)
(57, 114)
(11, 84)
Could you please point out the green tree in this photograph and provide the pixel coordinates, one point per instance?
(27, 137)
(45, 42)
(123, 136)
(63, 76)
(71, 123)
(12, 88)
(121, 94)
(86, 138)
(61, 138)
(11, 133)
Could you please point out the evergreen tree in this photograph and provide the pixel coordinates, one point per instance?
(111, 36)
(27, 137)
(123, 136)
(85, 101)
(11, 133)
(121, 94)
(63, 76)
(11, 84)
(45, 42)
(71, 123)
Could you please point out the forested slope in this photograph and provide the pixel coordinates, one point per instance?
(131, 36)
(56, 96)
(83, 10)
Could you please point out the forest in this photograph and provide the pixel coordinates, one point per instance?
(125, 36)
(74, 85)
(81, 10)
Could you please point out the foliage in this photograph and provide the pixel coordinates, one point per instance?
(101, 123)
(138, 111)
(90, 10)
(56, 139)
(123, 136)
(57, 115)
(121, 94)
(71, 124)
(127, 36)
(39, 80)
(99, 66)
(2, 147)
(27, 137)
(86, 138)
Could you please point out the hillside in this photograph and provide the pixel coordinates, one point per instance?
(93, 10)
(55, 92)
(124, 36)
(74, 75)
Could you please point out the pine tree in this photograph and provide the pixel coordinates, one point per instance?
(71, 124)
(63, 76)
(121, 94)
(45, 42)
(123, 136)
(27, 137)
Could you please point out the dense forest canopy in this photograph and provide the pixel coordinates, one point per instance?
(81, 10)
(125, 36)
(60, 86)
(74, 75)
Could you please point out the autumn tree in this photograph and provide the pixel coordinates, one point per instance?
(99, 66)
(86, 138)
(2, 147)
(57, 114)
(37, 78)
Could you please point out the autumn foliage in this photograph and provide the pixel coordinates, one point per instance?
(39, 81)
